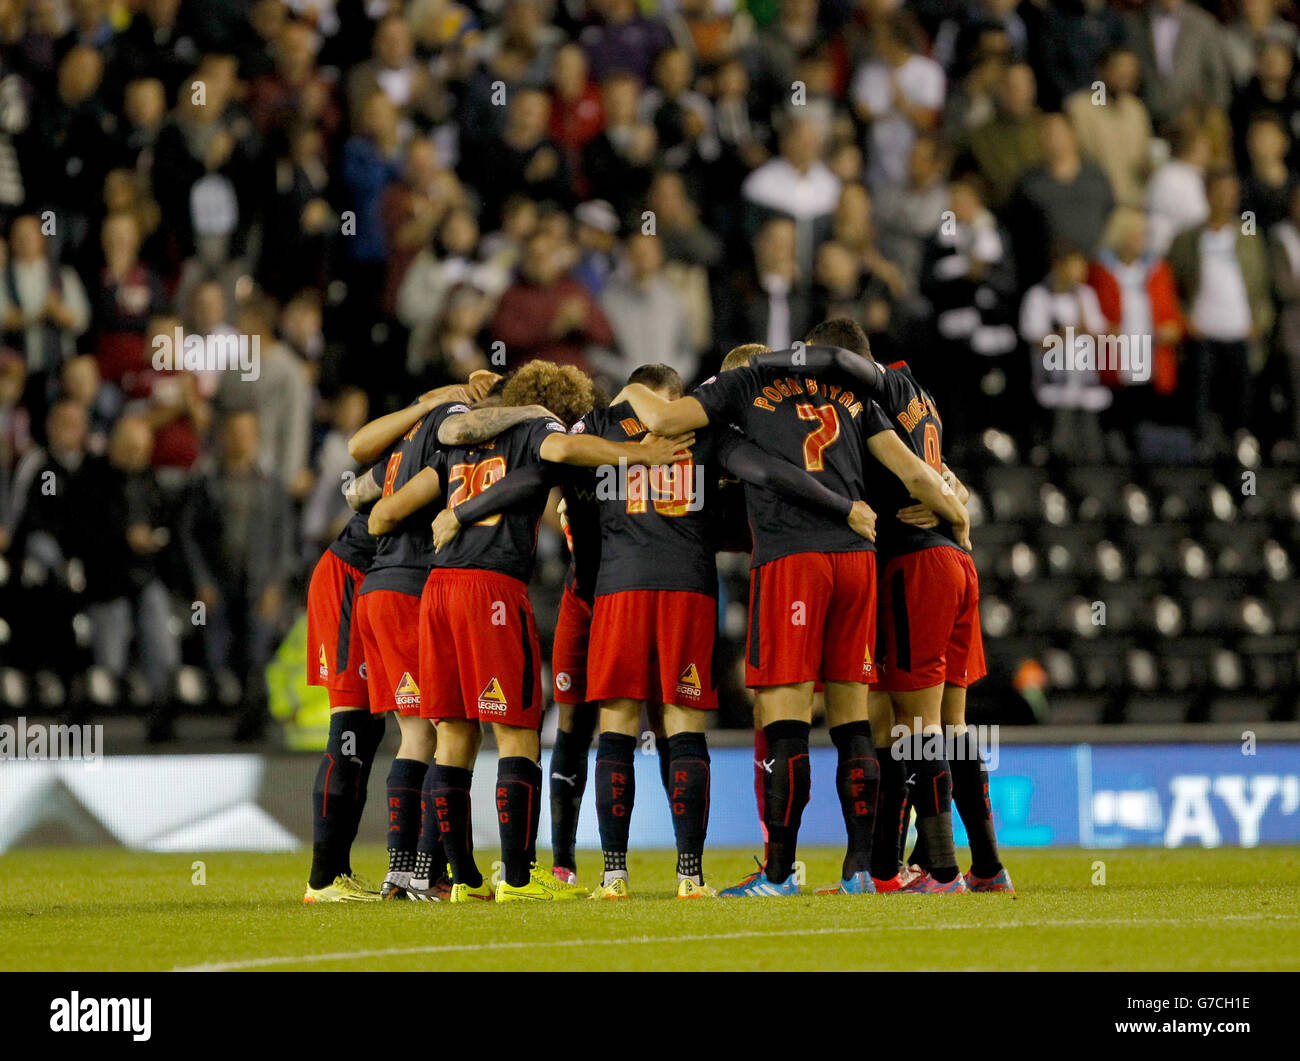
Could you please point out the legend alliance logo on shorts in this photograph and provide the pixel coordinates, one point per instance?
(688, 683)
(492, 701)
(407, 693)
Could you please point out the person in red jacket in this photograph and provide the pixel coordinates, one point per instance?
(1137, 295)
(545, 314)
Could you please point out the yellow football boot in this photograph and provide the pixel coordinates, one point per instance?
(615, 889)
(343, 889)
(688, 889)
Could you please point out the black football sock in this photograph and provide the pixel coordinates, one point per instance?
(430, 857)
(889, 813)
(786, 790)
(535, 814)
(405, 780)
(970, 791)
(665, 756)
(615, 794)
(932, 797)
(334, 798)
(568, 785)
(857, 780)
(688, 798)
(372, 735)
(450, 799)
(518, 797)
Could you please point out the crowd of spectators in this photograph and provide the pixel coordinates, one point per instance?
(388, 195)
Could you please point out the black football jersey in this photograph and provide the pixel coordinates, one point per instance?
(912, 415)
(507, 542)
(403, 556)
(813, 424)
(657, 524)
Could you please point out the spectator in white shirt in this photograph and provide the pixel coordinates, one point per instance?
(1175, 198)
(1222, 275)
(796, 184)
(896, 95)
(1066, 383)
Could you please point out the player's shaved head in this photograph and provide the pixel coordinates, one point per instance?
(563, 389)
(738, 357)
(659, 377)
(843, 332)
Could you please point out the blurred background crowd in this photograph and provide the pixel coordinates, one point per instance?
(389, 195)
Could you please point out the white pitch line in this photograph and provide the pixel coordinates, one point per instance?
(449, 948)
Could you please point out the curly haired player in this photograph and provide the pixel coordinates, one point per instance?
(479, 587)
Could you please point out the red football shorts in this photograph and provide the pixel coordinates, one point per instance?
(812, 616)
(569, 650)
(390, 634)
(479, 653)
(335, 656)
(654, 644)
(930, 619)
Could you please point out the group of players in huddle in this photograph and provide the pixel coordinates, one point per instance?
(421, 608)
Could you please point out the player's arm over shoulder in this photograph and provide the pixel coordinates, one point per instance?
(479, 425)
(590, 451)
(662, 416)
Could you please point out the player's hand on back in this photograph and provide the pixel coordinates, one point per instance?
(445, 528)
(666, 450)
(862, 520)
(918, 516)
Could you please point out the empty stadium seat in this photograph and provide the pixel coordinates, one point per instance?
(1013, 492)
(1097, 493)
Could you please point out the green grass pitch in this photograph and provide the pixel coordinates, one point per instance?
(1174, 910)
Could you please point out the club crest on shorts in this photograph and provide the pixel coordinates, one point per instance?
(324, 662)
(492, 701)
(408, 693)
(688, 682)
(563, 681)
